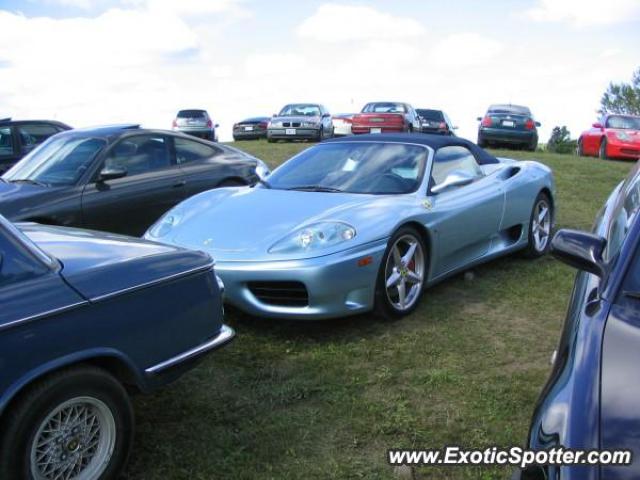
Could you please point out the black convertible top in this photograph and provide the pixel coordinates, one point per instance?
(433, 141)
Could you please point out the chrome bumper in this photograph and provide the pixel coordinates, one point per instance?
(226, 334)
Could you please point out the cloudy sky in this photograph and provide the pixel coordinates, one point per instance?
(89, 62)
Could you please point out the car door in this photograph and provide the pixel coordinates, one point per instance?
(152, 183)
(591, 144)
(202, 165)
(467, 217)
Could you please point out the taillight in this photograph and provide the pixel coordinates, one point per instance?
(209, 123)
(264, 124)
(486, 122)
(347, 120)
(235, 125)
(442, 126)
(529, 124)
(174, 124)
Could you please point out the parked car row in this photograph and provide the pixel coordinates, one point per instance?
(309, 121)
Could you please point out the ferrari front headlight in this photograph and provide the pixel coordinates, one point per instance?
(166, 223)
(315, 236)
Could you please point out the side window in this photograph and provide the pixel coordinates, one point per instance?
(7, 148)
(140, 154)
(34, 134)
(190, 151)
(454, 158)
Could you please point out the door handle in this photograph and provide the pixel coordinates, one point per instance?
(181, 183)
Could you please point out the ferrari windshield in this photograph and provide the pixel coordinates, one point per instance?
(59, 161)
(300, 110)
(623, 121)
(353, 167)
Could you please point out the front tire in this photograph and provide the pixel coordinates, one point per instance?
(76, 421)
(402, 274)
(602, 153)
(540, 225)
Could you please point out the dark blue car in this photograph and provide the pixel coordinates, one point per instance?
(592, 398)
(86, 317)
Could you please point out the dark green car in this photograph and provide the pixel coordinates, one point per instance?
(508, 126)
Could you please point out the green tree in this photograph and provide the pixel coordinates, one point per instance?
(622, 97)
(560, 141)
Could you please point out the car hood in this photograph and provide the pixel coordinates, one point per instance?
(634, 135)
(237, 224)
(301, 118)
(15, 197)
(100, 263)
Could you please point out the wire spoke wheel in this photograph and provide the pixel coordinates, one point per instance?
(404, 272)
(74, 442)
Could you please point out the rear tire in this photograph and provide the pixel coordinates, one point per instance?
(481, 142)
(580, 148)
(402, 274)
(77, 410)
(602, 152)
(540, 227)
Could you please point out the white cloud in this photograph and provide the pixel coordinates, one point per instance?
(335, 23)
(188, 7)
(584, 13)
(461, 50)
(81, 4)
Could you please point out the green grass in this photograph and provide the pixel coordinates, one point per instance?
(325, 400)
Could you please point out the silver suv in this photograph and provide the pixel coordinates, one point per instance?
(197, 123)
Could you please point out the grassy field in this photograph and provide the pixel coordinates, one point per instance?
(326, 400)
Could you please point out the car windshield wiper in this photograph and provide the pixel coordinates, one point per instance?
(29, 181)
(316, 188)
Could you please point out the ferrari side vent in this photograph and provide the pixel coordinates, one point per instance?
(283, 294)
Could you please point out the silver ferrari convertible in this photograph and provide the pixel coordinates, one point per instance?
(362, 223)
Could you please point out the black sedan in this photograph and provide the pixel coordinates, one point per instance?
(118, 178)
(509, 126)
(435, 121)
(19, 137)
(251, 128)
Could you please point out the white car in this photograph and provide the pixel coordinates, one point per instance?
(342, 124)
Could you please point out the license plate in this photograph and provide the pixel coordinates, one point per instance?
(508, 123)
(290, 131)
(375, 130)
(248, 129)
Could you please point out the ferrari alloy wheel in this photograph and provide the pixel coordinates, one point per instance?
(402, 274)
(76, 424)
(540, 227)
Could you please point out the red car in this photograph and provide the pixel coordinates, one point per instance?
(383, 117)
(614, 136)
